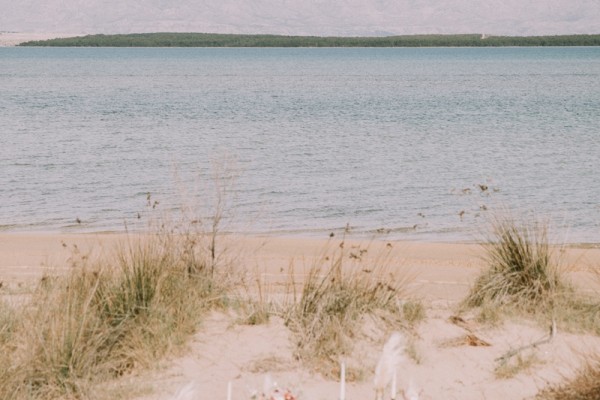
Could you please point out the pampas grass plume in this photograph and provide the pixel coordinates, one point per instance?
(388, 364)
(411, 393)
(191, 391)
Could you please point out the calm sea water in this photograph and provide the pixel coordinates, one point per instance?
(396, 140)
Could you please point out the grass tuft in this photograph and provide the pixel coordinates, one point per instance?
(526, 277)
(520, 363)
(103, 319)
(522, 269)
(253, 299)
(7, 322)
(585, 386)
(413, 312)
(336, 294)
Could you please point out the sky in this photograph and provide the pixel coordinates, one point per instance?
(303, 17)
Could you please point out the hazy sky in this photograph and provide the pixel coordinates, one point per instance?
(303, 17)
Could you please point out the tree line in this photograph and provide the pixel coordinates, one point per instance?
(231, 40)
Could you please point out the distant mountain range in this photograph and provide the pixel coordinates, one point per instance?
(304, 17)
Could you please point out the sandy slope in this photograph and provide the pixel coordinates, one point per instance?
(222, 350)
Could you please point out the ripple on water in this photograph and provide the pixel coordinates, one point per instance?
(317, 137)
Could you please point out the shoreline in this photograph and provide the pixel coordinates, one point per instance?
(310, 235)
(441, 270)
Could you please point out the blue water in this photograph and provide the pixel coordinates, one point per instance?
(380, 139)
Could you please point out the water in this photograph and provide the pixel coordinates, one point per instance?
(381, 139)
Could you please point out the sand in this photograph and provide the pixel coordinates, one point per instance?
(444, 366)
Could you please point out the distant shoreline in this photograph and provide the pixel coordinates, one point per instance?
(11, 39)
(169, 39)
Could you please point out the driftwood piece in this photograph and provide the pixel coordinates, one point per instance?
(513, 352)
(468, 339)
(471, 338)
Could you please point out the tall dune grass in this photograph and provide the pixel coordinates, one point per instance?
(105, 318)
(7, 322)
(523, 272)
(526, 275)
(338, 291)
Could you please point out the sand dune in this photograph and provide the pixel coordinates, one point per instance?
(443, 364)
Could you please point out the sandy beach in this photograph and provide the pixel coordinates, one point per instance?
(222, 350)
(369, 148)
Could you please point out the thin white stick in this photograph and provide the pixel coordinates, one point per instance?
(343, 382)
(229, 390)
(394, 385)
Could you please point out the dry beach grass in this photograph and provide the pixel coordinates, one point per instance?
(105, 317)
(100, 327)
(339, 293)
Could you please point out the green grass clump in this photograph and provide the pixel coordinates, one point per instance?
(334, 298)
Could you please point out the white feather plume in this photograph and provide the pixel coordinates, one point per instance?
(387, 366)
(191, 391)
(411, 393)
